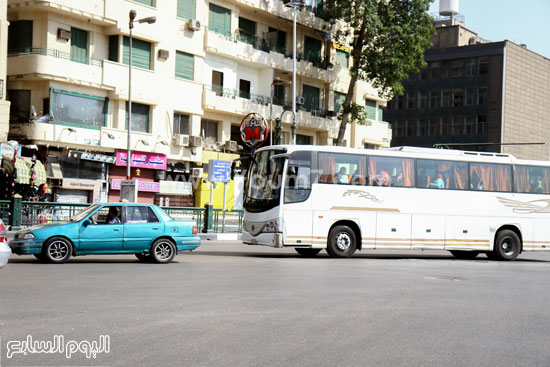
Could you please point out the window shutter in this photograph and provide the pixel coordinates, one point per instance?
(144, 2)
(141, 56)
(185, 67)
(186, 9)
(370, 108)
(311, 95)
(219, 20)
(79, 45)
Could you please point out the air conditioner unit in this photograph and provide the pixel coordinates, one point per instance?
(163, 54)
(196, 172)
(300, 100)
(231, 145)
(195, 141)
(193, 25)
(63, 34)
(181, 140)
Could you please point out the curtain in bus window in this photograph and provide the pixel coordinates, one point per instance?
(372, 171)
(546, 181)
(444, 168)
(408, 172)
(362, 174)
(326, 163)
(522, 179)
(492, 177)
(460, 177)
(503, 178)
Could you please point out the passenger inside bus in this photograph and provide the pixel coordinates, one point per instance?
(342, 177)
(438, 182)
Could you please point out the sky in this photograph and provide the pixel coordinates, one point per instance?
(519, 21)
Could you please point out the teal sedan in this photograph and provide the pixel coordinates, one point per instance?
(118, 228)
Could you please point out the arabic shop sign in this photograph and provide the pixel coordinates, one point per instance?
(142, 160)
(142, 185)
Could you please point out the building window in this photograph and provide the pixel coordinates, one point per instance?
(422, 99)
(20, 107)
(140, 117)
(244, 88)
(458, 68)
(141, 53)
(424, 72)
(185, 66)
(411, 127)
(370, 109)
(435, 98)
(77, 108)
(458, 97)
(446, 126)
(113, 49)
(312, 50)
(339, 99)
(181, 123)
(422, 128)
(434, 127)
(209, 130)
(398, 128)
(312, 98)
(380, 114)
(481, 124)
(145, 2)
(445, 98)
(79, 45)
(482, 96)
(279, 95)
(219, 20)
(470, 125)
(435, 70)
(483, 65)
(471, 94)
(217, 82)
(20, 36)
(186, 9)
(247, 31)
(342, 58)
(277, 41)
(303, 139)
(458, 125)
(411, 100)
(471, 67)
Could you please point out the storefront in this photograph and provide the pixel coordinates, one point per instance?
(175, 193)
(144, 167)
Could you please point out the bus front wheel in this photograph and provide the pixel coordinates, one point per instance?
(507, 245)
(341, 242)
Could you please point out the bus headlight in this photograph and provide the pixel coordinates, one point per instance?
(272, 226)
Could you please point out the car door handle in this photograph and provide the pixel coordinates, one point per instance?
(116, 229)
(155, 227)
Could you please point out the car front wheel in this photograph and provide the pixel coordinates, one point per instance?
(163, 251)
(57, 250)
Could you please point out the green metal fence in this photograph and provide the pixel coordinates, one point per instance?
(35, 212)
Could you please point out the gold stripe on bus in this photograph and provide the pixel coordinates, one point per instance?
(364, 209)
(302, 236)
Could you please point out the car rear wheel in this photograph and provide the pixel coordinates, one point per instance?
(163, 251)
(57, 250)
(308, 252)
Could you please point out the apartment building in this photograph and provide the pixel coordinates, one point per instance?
(196, 72)
(475, 95)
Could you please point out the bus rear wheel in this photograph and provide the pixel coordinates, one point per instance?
(307, 252)
(507, 245)
(341, 242)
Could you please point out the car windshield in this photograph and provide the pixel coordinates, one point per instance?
(81, 215)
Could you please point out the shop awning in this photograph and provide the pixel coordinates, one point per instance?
(24, 169)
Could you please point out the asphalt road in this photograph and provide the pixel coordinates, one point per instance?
(227, 304)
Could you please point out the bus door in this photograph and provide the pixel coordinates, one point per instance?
(297, 201)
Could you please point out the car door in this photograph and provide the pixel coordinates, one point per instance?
(141, 227)
(100, 235)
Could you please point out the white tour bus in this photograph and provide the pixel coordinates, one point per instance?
(345, 199)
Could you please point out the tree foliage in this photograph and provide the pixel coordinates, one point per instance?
(387, 40)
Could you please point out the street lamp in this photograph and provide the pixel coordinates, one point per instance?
(295, 4)
(148, 20)
(275, 82)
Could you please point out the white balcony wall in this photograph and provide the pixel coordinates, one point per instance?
(94, 9)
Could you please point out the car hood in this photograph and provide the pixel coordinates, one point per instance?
(42, 226)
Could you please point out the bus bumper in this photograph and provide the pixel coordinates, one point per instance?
(263, 239)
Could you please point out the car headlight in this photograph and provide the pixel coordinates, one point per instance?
(28, 236)
(271, 226)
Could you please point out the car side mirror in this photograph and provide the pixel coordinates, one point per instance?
(87, 222)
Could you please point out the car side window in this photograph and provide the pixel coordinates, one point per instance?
(136, 214)
(107, 215)
(152, 217)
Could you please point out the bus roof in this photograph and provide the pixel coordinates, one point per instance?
(416, 152)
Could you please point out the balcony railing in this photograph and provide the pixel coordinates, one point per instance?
(233, 93)
(256, 42)
(57, 54)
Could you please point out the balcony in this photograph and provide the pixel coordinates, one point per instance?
(46, 63)
(257, 51)
(92, 11)
(378, 133)
(234, 102)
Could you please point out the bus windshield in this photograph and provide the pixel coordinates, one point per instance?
(263, 187)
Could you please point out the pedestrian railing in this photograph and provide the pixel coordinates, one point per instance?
(39, 212)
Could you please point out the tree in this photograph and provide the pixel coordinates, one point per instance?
(387, 40)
